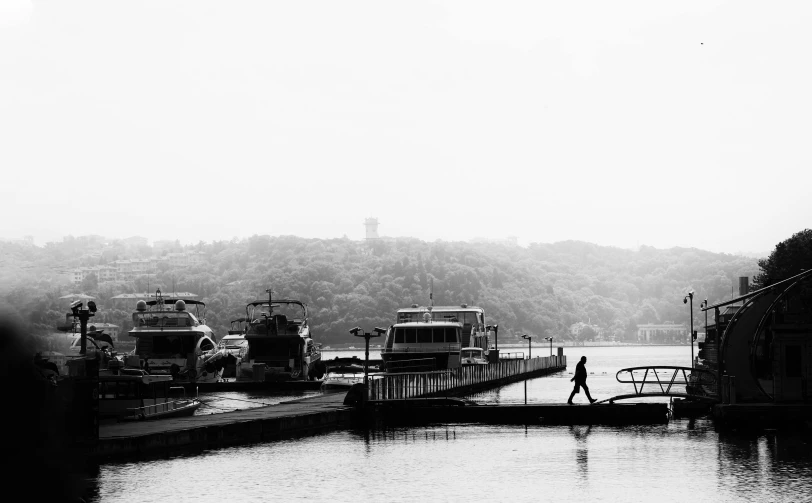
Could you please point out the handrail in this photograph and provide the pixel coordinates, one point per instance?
(699, 379)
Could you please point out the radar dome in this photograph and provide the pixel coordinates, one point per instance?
(180, 306)
(141, 305)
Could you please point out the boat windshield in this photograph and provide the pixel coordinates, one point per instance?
(293, 312)
(470, 353)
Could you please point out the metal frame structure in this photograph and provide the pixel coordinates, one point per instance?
(651, 375)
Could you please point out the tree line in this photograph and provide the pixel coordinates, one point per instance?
(569, 290)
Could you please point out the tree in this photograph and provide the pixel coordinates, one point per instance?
(787, 259)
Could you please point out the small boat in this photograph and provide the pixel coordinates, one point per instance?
(133, 395)
(472, 356)
(343, 378)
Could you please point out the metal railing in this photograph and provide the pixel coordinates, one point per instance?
(699, 384)
(415, 365)
(444, 382)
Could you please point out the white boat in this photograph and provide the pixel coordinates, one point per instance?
(429, 338)
(170, 340)
(473, 356)
(343, 378)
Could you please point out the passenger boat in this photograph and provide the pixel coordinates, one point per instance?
(430, 338)
(130, 395)
(170, 340)
(280, 346)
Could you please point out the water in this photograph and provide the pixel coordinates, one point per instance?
(682, 461)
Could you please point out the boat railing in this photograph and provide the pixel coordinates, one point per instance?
(426, 348)
(156, 408)
(452, 382)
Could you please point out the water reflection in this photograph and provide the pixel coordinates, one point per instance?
(581, 451)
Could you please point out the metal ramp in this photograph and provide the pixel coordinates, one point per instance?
(661, 380)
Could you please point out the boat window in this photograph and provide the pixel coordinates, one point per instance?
(455, 317)
(410, 335)
(424, 335)
(206, 345)
(172, 345)
(399, 336)
(450, 334)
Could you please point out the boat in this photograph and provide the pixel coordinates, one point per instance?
(430, 338)
(235, 347)
(342, 378)
(472, 356)
(170, 340)
(280, 346)
(133, 395)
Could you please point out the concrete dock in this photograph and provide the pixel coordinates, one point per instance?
(172, 436)
(556, 413)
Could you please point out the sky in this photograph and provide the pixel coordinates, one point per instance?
(617, 123)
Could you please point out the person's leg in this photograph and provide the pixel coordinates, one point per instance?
(574, 391)
(588, 396)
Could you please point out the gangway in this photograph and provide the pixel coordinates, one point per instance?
(662, 379)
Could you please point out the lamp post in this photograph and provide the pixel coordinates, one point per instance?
(691, 334)
(529, 355)
(551, 344)
(358, 332)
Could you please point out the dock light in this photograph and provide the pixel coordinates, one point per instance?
(529, 345)
(91, 306)
(685, 299)
(551, 344)
(359, 332)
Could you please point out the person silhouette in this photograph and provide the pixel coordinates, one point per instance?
(580, 381)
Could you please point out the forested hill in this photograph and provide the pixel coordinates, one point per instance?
(544, 289)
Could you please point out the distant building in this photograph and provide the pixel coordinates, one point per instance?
(372, 228)
(651, 332)
(508, 241)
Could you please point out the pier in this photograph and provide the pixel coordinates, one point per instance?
(313, 415)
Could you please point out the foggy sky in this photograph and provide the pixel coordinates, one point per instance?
(619, 123)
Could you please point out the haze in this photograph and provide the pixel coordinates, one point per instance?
(616, 123)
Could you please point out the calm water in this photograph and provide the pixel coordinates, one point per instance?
(682, 461)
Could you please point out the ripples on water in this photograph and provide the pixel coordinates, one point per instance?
(682, 461)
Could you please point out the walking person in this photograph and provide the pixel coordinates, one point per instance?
(580, 381)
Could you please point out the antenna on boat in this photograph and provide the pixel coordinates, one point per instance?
(431, 291)
(270, 300)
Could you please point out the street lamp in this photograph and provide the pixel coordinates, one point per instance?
(692, 334)
(551, 344)
(529, 345)
(358, 332)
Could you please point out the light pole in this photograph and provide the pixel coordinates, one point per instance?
(529, 356)
(358, 332)
(551, 344)
(529, 345)
(691, 334)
